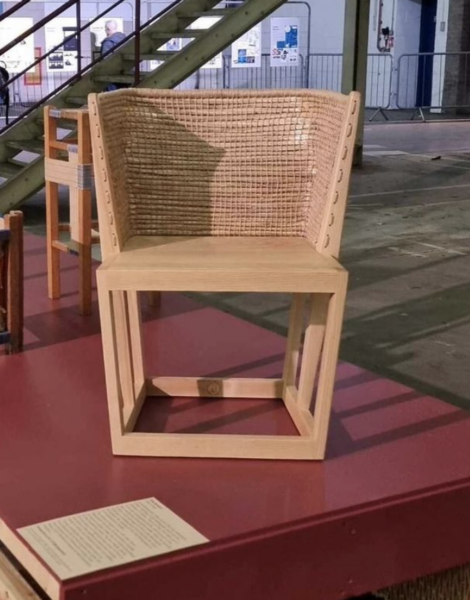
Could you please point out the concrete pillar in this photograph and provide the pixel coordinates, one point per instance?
(457, 66)
(355, 45)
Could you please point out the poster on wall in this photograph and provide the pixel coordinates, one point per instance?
(206, 23)
(98, 31)
(246, 51)
(284, 42)
(22, 55)
(64, 59)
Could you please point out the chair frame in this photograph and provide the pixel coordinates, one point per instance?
(76, 173)
(128, 386)
(11, 235)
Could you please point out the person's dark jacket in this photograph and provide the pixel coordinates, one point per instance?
(110, 42)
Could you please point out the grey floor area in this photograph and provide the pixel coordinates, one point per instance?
(406, 245)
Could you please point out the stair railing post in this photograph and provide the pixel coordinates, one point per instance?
(137, 43)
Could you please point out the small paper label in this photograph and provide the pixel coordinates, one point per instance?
(108, 537)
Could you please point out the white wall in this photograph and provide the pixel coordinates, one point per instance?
(327, 25)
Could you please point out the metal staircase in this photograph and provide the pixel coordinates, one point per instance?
(22, 179)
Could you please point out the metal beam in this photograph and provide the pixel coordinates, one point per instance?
(22, 186)
(18, 187)
(202, 49)
(355, 44)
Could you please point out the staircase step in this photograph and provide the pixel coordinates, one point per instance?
(18, 163)
(76, 101)
(129, 58)
(61, 123)
(164, 55)
(34, 146)
(9, 170)
(129, 79)
(213, 12)
(157, 55)
(187, 33)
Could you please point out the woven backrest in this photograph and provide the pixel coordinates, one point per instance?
(226, 163)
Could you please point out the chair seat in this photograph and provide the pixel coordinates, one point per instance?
(223, 264)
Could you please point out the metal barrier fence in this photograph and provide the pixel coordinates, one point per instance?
(325, 72)
(379, 81)
(434, 81)
(265, 76)
(421, 81)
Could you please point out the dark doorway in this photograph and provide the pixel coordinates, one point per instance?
(426, 44)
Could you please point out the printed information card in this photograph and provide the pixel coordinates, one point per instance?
(108, 537)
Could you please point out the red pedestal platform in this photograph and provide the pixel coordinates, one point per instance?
(390, 503)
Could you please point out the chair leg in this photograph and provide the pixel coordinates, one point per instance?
(109, 325)
(53, 254)
(135, 332)
(15, 293)
(84, 240)
(294, 339)
(129, 354)
(314, 337)
(326, 381)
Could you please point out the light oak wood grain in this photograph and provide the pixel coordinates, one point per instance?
(304, 265)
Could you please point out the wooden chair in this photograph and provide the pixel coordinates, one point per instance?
(75, 172)
(11, 281)
(227, 192)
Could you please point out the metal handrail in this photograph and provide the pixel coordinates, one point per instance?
(77, 34)
(37, 26)
(62, 43)
(138, 28)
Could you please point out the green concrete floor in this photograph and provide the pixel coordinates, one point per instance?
(406, 245)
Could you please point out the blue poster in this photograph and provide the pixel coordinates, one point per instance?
(284, 42)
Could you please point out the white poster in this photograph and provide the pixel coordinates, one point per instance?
(64, 59)
(98, 31)
(246, 51)
(284, 42)
(206, 23)
(21, 55)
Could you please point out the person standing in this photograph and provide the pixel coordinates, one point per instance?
(112, 39)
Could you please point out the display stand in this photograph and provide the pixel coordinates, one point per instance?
(75, 172)
(395, 485)
(11, 281)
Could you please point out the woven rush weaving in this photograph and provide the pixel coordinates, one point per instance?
(227, 163)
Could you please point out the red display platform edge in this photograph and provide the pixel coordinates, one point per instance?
(431, 533)
(344, 555)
